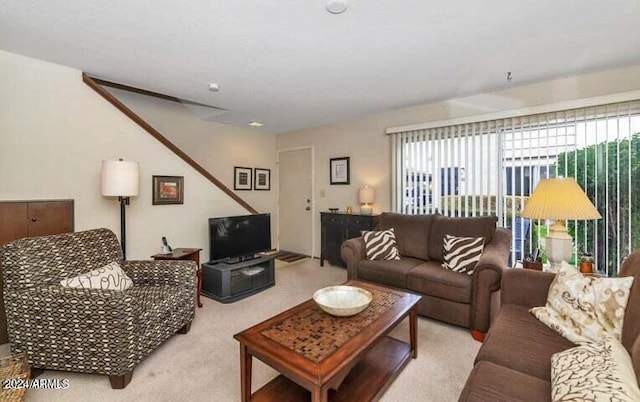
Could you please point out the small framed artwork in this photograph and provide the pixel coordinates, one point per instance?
(242, 178)
(168, 190)
(339, 170)
(262, 179)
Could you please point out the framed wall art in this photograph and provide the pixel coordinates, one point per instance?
(262, 179)
(242, 178)
(339, 170)
(168, 190)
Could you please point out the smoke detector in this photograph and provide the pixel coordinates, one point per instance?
(337, 6)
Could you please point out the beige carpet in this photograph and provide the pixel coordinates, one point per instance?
(204, 364)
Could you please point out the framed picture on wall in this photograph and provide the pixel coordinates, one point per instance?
(262, 179)
(339, 170)
(168, 190)
(242, 178)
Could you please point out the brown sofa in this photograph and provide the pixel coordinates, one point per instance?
(514, 363)
(453, 297)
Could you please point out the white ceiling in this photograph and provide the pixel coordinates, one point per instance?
(292, 65)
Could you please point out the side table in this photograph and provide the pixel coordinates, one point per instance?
(192, 254)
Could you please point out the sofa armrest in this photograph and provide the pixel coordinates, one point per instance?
(352, 252)
(525, 287)
(487, 277)
(161, 272)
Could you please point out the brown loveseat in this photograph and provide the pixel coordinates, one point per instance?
(514, 363)
(453, 297)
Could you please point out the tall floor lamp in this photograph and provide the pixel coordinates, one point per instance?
(121, 179)
(560, 199)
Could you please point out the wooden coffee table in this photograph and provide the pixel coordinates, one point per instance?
(324, 358)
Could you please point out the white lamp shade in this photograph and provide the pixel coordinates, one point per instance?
(120, 178)
(366, 195)
(559, 199)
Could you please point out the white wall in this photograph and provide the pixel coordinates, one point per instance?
(216, 147)
(54, 133)
(364, 139)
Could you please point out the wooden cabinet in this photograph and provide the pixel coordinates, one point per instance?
(20, 219)
(337, 227)
(34, 218)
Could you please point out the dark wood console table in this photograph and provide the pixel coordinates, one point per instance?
(337, 227)
(192, 254)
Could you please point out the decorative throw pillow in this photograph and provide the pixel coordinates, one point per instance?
(381, 245)
(109, 277)
(585, 308)
(598, 371)
(461, 254)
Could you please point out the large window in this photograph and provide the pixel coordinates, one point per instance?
(491, 167)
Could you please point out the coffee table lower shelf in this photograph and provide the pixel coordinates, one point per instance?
(366, 381)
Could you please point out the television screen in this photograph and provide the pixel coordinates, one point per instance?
(239, 236)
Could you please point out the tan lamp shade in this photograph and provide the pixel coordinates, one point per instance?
(559, 199)
(366, 195)
(120, 178)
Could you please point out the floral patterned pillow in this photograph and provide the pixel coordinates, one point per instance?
(585, 308)
(598, 371)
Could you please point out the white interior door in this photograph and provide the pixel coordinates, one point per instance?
(295, 203)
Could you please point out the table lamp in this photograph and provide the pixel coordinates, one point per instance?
(559, 199)
(121, 179)
(366, 196)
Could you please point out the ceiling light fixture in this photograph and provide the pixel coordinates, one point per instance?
(337, 6)
(213, 87)
(256, 124)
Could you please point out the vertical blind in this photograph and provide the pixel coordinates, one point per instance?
(491, 167)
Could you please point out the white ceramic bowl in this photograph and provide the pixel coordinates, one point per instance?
(342, 301)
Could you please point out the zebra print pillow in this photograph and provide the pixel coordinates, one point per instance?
(461, 254)
(598, 371)
(381, 245)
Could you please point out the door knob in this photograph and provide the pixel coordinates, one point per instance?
(34, 219)
(307, 209)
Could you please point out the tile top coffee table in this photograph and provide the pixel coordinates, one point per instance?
(322, 357)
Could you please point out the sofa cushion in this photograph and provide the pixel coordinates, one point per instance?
(519, 341)
(483, 226)
(412, 232)
(380, 245)
(490, 382)
(594, 371)
(391, 273)
(461, 254)
(430, 278)
(585, 308)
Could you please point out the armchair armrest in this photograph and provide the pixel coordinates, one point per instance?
(93, 318)
(525, 287)
(487, 277)
(162, 272)
(352, 252)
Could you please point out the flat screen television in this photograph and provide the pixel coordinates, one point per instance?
(238, 238)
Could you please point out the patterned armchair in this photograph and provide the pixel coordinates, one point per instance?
(91, 330)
